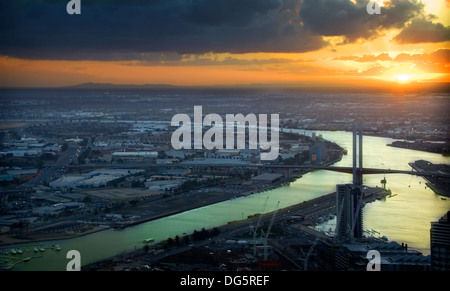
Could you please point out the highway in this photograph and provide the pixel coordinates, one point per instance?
(55, 171)
(323, 205)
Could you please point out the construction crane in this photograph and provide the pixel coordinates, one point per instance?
(266, 235)
(305, 260)
(254, 230)
(358, 208)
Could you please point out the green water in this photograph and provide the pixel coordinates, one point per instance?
(403, 218)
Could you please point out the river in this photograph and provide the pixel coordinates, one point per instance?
(404, 218)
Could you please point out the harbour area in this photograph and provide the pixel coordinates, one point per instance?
(12, 256)
(379, 216)
(276, 240)
(81, 196)
(440, 185)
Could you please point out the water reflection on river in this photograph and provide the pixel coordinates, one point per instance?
(405, 217)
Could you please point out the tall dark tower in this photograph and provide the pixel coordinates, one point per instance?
(349, 220)
(349, 197)
(357, 155)
(440, 244)
(360, 155)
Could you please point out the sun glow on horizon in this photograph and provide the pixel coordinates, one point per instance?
(403, 78)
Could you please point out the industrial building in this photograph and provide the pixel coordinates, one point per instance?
(393, 257)
(57, 209)
(94, 179)
(164, 185)
(138, 154)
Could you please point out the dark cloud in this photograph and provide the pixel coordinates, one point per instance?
(208, 60)
(344, 18)
(138, 29)
(422, 30)
(120, 29)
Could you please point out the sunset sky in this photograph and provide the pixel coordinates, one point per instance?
(224, 42)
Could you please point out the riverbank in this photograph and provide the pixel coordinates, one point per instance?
(440, 186)
(7, 241)
(310, 212)
(436, 148)
(430, 144)
(160, 208)
(172, 205)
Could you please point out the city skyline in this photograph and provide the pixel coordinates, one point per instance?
(204, 43)
(224, 135)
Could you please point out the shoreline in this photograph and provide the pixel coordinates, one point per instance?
(394, 137)
(232, 226)
(435, 187)
(205, 200)
(213, 200)
(18, 241)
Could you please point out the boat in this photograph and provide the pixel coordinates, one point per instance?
(41, 249)
(57, 248)
(149, 240)
(35, 250)
(19, 251)
(27, 259)
(13, 252)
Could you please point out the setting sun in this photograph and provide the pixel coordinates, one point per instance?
(403, 78)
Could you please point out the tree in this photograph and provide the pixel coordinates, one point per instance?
(204, 234)
(170, 242)
(177, 241)
(215, 231)
(195, 235)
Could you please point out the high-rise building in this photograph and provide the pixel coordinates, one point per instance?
(349, 220)
(440, 244)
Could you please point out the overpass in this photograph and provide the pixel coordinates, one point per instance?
(190, 165)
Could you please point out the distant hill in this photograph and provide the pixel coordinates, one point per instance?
(91, 85)
(381, 86)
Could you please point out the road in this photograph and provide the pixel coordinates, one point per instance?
(55, 171)
(323, 205)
